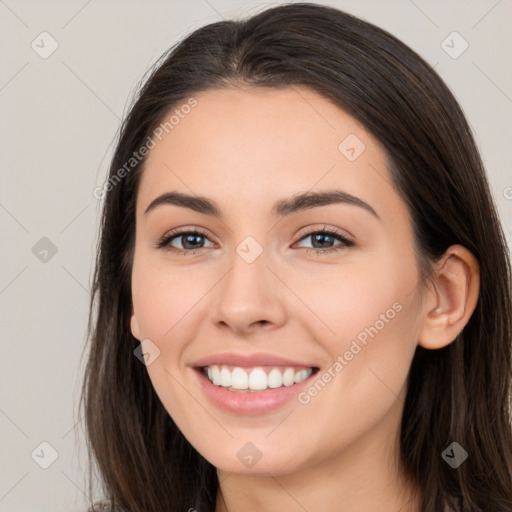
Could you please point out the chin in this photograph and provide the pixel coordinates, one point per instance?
(251, 460)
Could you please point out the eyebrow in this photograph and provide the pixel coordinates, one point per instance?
(282, 207)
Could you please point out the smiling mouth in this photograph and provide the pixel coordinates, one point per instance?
(257, 378)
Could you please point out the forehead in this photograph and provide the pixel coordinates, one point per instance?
(260, 144)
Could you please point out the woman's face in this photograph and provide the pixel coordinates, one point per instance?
(321, 325)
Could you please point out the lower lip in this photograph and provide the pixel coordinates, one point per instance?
(250, 402)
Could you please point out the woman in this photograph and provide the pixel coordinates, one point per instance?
(302, 286)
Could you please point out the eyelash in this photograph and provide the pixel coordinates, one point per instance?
(164, 242)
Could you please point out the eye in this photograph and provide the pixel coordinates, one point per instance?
(190, 240)
(322, 240)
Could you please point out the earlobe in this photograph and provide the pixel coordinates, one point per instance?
(134, 326)
(457, 285)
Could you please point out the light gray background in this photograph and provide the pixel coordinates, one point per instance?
(59, 116)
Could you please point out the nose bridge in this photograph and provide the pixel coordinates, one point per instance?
(249, 293)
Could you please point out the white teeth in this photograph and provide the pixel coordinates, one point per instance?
(225, 378)
(288, 376)
(275, 379)
(257, 379)
(239, 379)
(303, 374)
(215, 375)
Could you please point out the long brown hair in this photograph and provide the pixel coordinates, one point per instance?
(461, 393)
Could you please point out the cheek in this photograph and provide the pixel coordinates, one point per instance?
(166, 302)
(366, 320)
(370, 356)
(349, 303)
(164, 297)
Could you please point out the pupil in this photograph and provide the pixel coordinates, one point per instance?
(321, 238)
(190, 238)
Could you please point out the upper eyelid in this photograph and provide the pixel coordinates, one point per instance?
(336, 233)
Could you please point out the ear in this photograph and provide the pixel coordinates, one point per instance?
(134, 326)
(453, 300)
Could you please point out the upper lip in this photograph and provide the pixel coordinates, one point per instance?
(249, 360)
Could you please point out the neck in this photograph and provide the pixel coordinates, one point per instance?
(360, 490)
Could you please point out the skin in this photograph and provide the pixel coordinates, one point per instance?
(246, 148)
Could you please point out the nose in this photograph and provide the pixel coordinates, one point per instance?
(250, 298)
